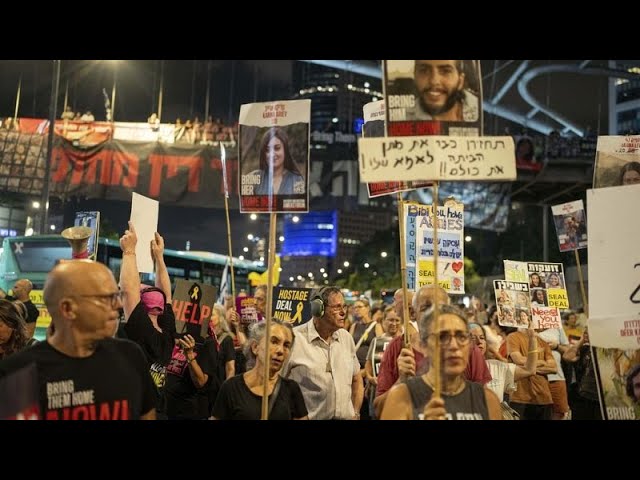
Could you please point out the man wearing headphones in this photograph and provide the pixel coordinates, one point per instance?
(323, 360)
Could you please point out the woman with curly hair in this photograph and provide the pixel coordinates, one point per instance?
(13, 330)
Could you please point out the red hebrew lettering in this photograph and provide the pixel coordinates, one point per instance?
(173, 163)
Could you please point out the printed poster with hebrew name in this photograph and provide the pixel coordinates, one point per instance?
(617, 161)
(273, 156)
(374, 118)
(246, 308)
(419, 242)
(547, 290)
(513, 303)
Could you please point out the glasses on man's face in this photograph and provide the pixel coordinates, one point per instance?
(337, 308)
(114, 300)
(462, 337)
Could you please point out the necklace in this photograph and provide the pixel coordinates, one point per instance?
(449, 393)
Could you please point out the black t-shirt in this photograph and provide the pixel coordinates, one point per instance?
(183, 398)
(157, 346)
(111, 384)
(32, 312)
(237, 402)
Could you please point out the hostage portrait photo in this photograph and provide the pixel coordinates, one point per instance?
(613, 170)
(446, 91)
(274, 162)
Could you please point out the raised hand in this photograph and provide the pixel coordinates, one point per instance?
(157, 246)
(129, 240)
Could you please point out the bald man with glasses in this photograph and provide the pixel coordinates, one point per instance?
(83, 372)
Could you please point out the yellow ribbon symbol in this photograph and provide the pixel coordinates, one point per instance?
(194, 295)
(297, 318)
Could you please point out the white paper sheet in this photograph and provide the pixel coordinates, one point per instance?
(144, 216)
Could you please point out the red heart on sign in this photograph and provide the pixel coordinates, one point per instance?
(457, 266)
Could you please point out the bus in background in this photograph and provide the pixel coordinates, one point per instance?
(33, 257)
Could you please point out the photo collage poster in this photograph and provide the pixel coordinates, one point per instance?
(513, 303)
(547, 289)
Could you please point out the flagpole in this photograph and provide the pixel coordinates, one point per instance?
(223, 159)
(15, 114)
(269, 310)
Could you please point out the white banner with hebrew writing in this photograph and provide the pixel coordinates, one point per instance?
(614, 264)
(436, 158)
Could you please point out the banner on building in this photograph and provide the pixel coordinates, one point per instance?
(186, 175)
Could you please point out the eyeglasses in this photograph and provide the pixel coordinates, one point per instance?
(445, 337)
(358, 307)
(115, 299)
(477, 339)
(337, 308)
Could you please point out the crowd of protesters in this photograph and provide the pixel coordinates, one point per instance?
(349, 361)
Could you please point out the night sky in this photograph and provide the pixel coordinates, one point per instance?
(233, 82)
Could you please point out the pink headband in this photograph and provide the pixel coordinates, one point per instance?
(152, 301)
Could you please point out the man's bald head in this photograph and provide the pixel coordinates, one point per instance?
(397, 298)
(22, 288)
(427, 296)
(75, 277)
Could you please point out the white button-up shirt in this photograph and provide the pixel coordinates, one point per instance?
(327, 394)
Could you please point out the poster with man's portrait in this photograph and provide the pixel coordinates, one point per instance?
(571, 225)
(618, 376)
(617, 161)
(273, 156)
(433, 97)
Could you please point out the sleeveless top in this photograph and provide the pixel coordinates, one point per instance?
(469, 404)
(359, 331)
